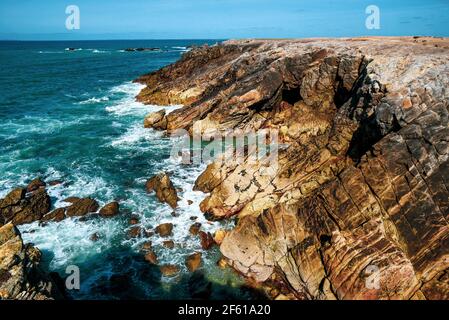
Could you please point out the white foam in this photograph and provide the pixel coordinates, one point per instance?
(94, 100)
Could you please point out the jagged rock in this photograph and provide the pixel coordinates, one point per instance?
(56, 215)
(146, 246)
(207, 241)
(195, 228)
(151, 257)
(169, 244)
(134, 232)
(361, 181)
(81, 207)
(19, 207)
(94, 237)
(156, 120)
(165, 191)
(165, 229)
(20, 275)
(193, 262)
(36, 184)
(110, 210)
(169, 270)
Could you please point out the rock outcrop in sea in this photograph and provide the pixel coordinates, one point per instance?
(358, 205)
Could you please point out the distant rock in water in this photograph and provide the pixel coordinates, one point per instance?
(110, 210)
(361, 179)
(20, 275)
(141, 49)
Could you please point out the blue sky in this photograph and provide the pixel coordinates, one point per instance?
(219, 19)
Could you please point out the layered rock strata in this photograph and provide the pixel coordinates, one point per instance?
(358, 205)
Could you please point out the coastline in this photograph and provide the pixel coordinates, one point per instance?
(364, 104)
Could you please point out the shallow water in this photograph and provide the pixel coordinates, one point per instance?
(72, 116)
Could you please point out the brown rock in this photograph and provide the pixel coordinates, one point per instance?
(133, 221)
(189, 202)
(151, 257)
(36, 184)
(134, 232)
(17, 263)
(110, 210)
(165, 229)
(156, 120)
(195, 228)
(165, 191)
(193, 262)
(20, 208)
(72, 199)
(219, 235)
(94, 237)
(169, 244)
(222, 263)
(169, 270)
(82, 207)
(361, 173)
(56, 215)
(207, 241)
(146, 246)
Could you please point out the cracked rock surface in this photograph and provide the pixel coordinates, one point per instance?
(362, 180)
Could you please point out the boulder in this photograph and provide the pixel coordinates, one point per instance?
(165, 229)
(169, 270)
(165, 191)
(134, 232)
(110, 210)
(168, 244)
(207, 241)
(146, 246)
(195, 228)
(81, 207)
(133, 220)
(193, 262)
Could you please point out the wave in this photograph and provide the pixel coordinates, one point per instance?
(94, 100)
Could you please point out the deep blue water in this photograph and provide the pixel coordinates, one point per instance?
(71, 115)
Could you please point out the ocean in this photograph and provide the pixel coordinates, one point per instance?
(71, 115)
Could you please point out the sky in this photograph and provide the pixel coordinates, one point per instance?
(219, 19)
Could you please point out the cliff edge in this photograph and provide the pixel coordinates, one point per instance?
(358, 205)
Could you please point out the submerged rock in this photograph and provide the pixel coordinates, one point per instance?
(151, 257)
(169, 244)
(165, 191)
(169, 270)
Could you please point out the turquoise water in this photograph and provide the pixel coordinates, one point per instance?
(71, 116)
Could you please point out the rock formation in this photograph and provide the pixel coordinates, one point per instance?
(20, 275)
(165, 191)
(358, 203)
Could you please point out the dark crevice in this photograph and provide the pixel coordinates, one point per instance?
(291, 95)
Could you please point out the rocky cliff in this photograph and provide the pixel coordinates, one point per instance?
(20, 275)
(361, 188)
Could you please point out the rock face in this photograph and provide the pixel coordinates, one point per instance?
(20, 207)
(20, 275)
(358, 204)
(165, 191)
(156, 120)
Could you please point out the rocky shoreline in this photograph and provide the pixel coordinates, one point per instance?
(362, 185)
